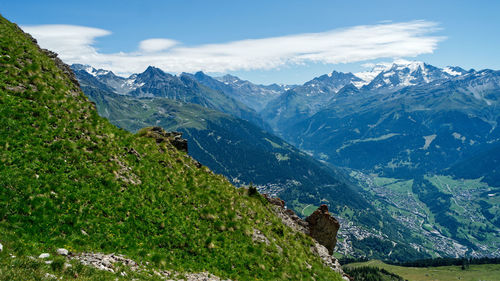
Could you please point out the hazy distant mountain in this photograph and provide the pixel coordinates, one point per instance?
(303, 101)
(253, 95)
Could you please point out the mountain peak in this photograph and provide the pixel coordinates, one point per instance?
(229, 78)
(403, 73)
(153, 69)
(153, 73)
(412, 65)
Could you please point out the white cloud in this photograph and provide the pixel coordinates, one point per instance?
(355, 44)
(72, 43)
(156, 44)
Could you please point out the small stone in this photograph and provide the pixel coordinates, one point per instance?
(48, 275)
(67, 265)
(62, 252)
(123, 273)
(44, 256)
(1, 247)
(48, 262)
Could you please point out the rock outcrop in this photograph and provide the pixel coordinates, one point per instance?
(320, 225)
(323, 228)
(175, 138)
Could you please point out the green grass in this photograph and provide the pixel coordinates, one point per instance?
(485, 272)
(65, 171)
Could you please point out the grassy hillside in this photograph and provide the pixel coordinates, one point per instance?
(485, 272)
(68, 178)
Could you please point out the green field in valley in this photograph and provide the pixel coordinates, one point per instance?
(485, 272)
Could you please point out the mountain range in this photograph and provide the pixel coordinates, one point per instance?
(377, 124)
(410, 118)
(247, 154)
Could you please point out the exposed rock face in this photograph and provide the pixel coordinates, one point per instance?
(175, 138)
(320, 224)
(323, 228)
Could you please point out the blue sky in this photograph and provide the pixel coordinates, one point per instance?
(463, 33)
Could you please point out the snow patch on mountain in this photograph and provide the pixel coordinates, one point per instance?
(451, 72)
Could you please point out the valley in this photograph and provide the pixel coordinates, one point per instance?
(397, 196)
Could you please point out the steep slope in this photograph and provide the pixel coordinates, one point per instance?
(71, 179)
(153, 82)
(484, 164)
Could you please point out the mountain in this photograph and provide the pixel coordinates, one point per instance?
(417, 129)
(303, 101)
(153, 82)
(72, 180)
(398, 119)
(410, 73)
(253, 95)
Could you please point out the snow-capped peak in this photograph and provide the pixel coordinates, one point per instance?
(368, 76)
(411, 65)
(453, 71)
(90, 70)
(403, 73)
